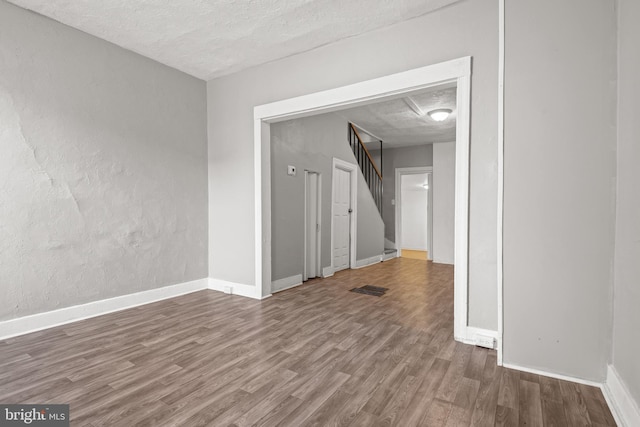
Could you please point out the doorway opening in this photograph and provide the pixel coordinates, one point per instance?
(312, 225)
(455, 72)
(414, 212)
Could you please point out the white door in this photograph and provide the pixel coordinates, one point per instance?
(341, 218)
(312, 226)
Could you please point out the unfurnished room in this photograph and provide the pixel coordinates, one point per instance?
(311, 213)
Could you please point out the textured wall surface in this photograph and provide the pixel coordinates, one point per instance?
(626, 347)
(311, 143)
(471, 28)
(103, 173)
(559, 185)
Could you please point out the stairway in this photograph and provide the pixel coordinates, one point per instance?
(370, 171)
(389, 253)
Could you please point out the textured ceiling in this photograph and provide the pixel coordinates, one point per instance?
(398, 124)
(209, 38)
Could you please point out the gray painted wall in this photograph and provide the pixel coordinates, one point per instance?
(103, 173)
(311, 143)
(444, 203)
(402, 157)
(626, 347)
(471, 28)
(559, 185)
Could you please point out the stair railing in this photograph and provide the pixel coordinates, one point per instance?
(370, 171)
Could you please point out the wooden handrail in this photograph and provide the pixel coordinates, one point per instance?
(366, 151)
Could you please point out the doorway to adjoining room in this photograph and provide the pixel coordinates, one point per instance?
(415, 219)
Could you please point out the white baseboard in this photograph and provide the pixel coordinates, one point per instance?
(471, 335)
(327, 271)
(389, 256)
(442, 261)
(623, 407)
(50, 319)
(235, 288)
(368, 261)
(553, 375)
(286, 283)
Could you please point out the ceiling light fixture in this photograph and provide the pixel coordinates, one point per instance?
(440, 114)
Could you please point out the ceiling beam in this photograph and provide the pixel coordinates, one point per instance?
(415, 107)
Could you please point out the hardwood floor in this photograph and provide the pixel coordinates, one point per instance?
(410, 253)
(313, 355)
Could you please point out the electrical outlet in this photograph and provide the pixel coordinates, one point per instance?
(485, 341)
(291, 170)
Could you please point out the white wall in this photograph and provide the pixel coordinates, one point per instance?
(103, 173)
(414, 213)
(444, 203)
(471, 28)
(626, 321)
(559, 185)
(311, 143)
(401, 157)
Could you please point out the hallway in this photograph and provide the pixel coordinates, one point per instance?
(313, 355)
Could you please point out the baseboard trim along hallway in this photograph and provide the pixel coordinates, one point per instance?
(49, 319)
(327, 271)
(361, 263)
(286, 283)
(235, 288)
(553, 375)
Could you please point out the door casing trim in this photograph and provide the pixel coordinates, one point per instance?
(454, 72)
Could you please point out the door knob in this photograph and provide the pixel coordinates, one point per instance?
(350, 210)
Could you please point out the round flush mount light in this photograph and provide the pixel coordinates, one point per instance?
(440, 114)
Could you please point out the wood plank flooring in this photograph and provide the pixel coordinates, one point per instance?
(315, 355)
